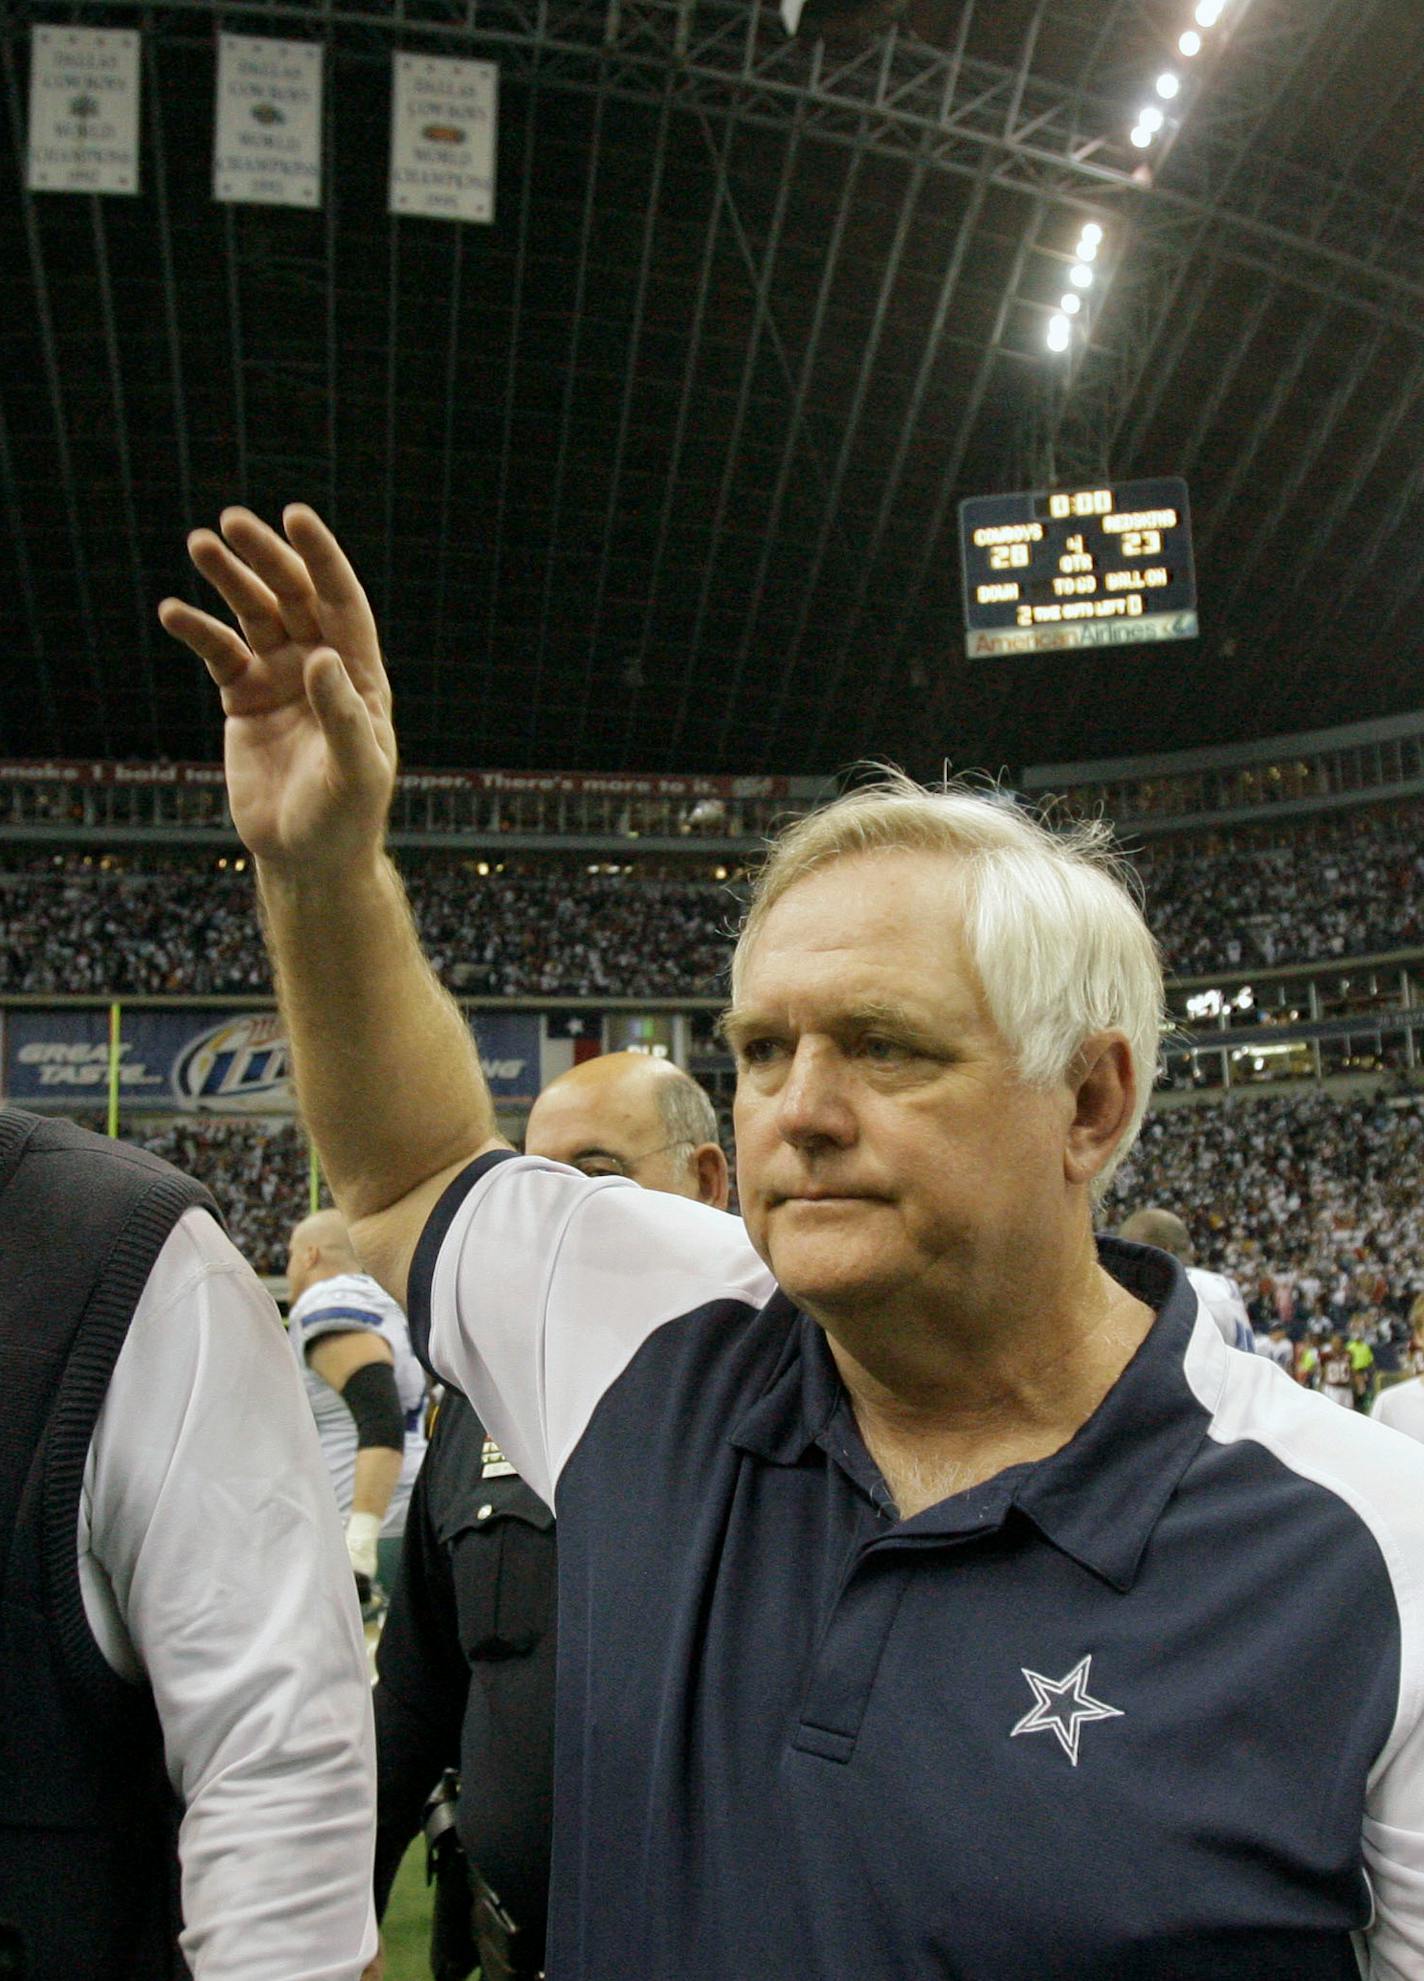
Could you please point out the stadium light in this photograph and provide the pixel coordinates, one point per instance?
(1141, 137)
(1150, 119)
(1081, 276)
(1091, 236)
(1059, 332)
(1070, 303)
(1190, 44)
(1087, 250)
(1167, 85)
(1208, 13)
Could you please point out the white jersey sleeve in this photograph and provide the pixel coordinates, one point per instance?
(1402, 1408)
(356, 1303)
(537, 1286)
(212, 1563)
(1380, 1477)
(1221, 1297)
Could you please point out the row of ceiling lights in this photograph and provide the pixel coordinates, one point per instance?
(1151, 118)
(1080, 278)
(1150, 121)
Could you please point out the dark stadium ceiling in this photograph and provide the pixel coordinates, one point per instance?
(661, 470)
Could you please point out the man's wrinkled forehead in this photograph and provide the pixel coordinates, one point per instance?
(909, 901)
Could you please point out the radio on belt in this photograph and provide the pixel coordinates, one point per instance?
(1080, 567)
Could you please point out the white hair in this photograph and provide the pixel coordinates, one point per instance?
(1051, 920)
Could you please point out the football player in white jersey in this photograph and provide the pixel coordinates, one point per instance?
(364, 1384)
(1217, 1292)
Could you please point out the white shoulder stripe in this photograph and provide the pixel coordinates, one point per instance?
(1376, 1472)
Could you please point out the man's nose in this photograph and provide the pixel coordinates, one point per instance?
(814, 1104)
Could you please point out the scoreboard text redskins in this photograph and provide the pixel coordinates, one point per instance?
(1085, 567)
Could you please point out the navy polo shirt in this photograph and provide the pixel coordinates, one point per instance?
(1149, 1707)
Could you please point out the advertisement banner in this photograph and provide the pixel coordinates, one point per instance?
(83, 110)
(514, 783)
(267, 140)
(443, 122)
(509, 1051)
(210, 1062)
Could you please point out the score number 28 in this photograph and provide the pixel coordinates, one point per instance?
(1134, 543)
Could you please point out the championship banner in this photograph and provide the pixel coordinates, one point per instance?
(207, 1062)
(83, 110)
(267, 140)
(443, 119)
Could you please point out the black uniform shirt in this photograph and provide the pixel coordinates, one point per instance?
(466, 1666)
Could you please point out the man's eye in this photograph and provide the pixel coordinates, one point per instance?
(760, 1052)
(598, 1166)
(873, 1046)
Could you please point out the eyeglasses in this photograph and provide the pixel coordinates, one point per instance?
(602, 1162)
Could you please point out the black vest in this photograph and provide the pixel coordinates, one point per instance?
(88, 1823)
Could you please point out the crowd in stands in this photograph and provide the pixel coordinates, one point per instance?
(1313, 1202)
(154, 923)
(157, 926)
(258, 1173)
(1348, 884)
(574, 935)
(174, 928)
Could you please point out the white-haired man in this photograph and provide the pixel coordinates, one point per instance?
(905, 1623)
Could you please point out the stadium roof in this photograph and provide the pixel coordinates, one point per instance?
(661, 470)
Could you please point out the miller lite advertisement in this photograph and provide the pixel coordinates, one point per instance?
(205, 1062)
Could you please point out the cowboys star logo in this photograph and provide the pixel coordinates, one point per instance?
(1063, 1706)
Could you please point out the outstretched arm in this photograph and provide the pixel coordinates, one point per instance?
(386, 1069)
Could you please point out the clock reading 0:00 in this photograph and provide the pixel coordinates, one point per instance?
(1083, 502)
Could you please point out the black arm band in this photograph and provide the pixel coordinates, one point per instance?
(370, 1394)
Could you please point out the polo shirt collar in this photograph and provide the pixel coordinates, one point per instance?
(1099, 1498)
(802, 1396)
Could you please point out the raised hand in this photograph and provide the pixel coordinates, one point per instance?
(308, 742)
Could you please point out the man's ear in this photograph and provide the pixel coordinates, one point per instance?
(709, 1166)
(1104, 1083)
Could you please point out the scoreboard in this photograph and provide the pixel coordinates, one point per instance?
(1082, 567)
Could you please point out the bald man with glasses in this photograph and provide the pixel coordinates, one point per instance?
(466, 1663)
(628, 1114)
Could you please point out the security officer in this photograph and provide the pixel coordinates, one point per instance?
(466, 1661)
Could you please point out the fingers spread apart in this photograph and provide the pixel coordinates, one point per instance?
(341, 604)
(225, 656)
(297, 591)
(261, 578)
